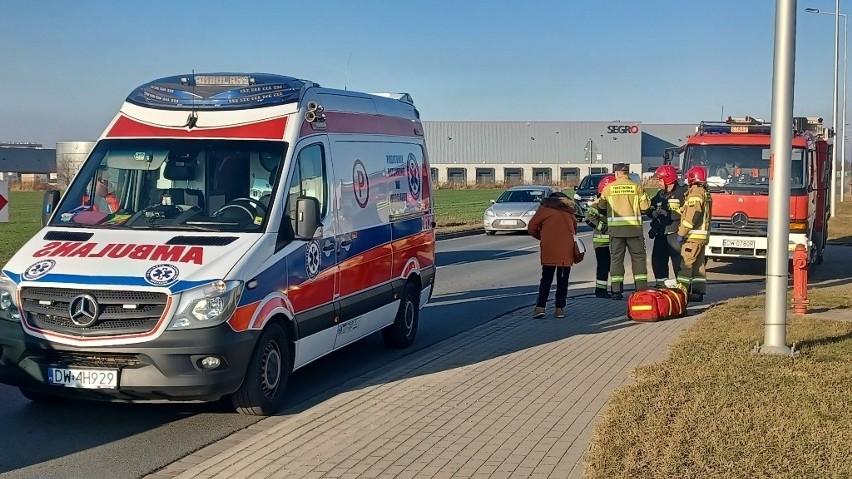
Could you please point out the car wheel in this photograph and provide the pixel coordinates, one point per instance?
(490, 233)
(402, 332)
(262, 391)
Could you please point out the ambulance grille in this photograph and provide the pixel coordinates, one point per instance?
(118, 312)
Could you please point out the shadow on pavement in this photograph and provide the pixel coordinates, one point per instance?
(448, 258)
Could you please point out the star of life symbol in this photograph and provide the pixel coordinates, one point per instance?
(312, 259)
(162, 275)
(39, 269)
(413, 170)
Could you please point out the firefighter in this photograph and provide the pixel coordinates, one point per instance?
(625, 201)
(693, 234)
(596, 218)
(665, 220)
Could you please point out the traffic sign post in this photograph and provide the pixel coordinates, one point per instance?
(4, 202)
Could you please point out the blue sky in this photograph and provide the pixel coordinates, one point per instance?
(66, 66)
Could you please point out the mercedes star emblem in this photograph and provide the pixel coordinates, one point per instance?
(84, 310)
(740, 220)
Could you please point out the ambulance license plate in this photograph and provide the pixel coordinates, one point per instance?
(737, 243)
(83, 378)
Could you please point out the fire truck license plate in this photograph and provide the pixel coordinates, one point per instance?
(83, 378)
(737, 243)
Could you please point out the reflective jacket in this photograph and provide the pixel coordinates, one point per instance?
(695, 215)
(596, 218)
(624, 201)
(670, 202)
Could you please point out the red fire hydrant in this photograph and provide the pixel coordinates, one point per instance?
(800, 280)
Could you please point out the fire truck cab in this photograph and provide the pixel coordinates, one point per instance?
(736, 153)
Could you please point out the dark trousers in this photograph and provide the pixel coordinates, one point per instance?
(602, 271)
(547, 273)
(618, 247)
(665, 249)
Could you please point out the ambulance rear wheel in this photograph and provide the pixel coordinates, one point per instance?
(402, 332)
(262, 391)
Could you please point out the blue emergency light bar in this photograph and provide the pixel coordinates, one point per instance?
(218, 91)
(719, 127)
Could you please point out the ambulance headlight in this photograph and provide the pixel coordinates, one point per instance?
(8, 300)
(207, 305)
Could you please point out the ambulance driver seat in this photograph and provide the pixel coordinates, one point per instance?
(180, 169)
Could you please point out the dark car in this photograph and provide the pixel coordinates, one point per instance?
(587, 190)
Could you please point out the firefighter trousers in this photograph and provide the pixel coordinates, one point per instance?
(666, 248)
(602, 271)
(618, 247)
(692, 276)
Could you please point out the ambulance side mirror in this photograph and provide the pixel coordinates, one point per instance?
(307, 218)
(48, 204)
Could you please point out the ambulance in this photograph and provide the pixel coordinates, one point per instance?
(226, 230)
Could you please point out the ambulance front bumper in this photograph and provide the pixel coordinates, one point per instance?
(168, 368)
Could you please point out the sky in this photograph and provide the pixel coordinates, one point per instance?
(67, 66)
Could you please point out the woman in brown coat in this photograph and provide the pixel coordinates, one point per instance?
(554, 225)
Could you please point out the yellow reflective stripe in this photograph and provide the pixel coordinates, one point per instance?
(693, 201)
(617, 279)
(674, 201)
(614, 224)
(640, 277)
(686, 223)
(699, 280)
(683, 279)
(641, 307)
(600, 283)
(622, 189)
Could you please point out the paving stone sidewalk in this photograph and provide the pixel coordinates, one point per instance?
(515, 397)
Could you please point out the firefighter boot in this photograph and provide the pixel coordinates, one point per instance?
(602, 293)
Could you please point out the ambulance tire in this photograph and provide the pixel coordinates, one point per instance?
(41, 398)
(263, 390)
(402, 332)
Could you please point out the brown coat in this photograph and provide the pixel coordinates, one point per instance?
(555, 224)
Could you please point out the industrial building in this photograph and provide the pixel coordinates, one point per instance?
(27, 164)
(511, 152)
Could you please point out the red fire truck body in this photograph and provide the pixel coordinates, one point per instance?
(736, 155)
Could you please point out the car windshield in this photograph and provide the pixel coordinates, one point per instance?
(209, 185)
(521, 196)
(741, 166)
(590, 183)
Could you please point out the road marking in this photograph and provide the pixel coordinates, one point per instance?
(436, 300)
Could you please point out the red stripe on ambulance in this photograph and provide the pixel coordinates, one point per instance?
(125, 127)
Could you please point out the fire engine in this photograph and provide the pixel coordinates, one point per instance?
(737, 157)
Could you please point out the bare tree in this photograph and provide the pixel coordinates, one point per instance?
(66, 168)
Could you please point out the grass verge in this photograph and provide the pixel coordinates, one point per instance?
(24, 222)
(714, 409)
(840, 227)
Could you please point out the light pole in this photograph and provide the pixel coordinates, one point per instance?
(842, 157)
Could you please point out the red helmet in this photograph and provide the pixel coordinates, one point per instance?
(605, 181)
(696, 174)
(667, 173)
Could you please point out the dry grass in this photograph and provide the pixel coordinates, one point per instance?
(715, 409)
(840, 228)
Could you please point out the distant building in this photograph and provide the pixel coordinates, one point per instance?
(27, 163)
(483, 152)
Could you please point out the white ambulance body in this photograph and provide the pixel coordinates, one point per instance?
(225, 230)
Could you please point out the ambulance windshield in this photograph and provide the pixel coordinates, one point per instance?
(207, 185)
(741, 166)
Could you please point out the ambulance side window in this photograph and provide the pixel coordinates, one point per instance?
(308, 180)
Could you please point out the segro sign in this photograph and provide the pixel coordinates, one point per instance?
(614, 129)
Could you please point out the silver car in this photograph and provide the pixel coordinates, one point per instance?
(514, 208)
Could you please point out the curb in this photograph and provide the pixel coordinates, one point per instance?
(439, 235)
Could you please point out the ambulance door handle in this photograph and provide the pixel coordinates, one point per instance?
(344, 244)
(328, 245)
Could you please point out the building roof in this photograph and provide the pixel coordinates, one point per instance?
(27, 160)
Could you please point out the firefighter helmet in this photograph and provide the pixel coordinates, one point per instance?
(605, 181)
(696, 174)
(667, 173)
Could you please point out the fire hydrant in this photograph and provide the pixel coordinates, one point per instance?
(800, 280)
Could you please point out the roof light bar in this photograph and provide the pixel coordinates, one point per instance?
(218, 91)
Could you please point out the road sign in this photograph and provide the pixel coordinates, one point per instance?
(4, 202)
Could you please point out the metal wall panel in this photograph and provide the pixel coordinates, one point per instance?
(531, 143)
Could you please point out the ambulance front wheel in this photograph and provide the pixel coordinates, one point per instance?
(401, 333)
(262, 391)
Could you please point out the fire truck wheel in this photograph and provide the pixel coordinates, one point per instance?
(262, 391)
(41, 398)
(401, 333)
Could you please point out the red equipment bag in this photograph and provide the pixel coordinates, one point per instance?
(656, 304)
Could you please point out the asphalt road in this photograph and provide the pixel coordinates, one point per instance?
(479, 277)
